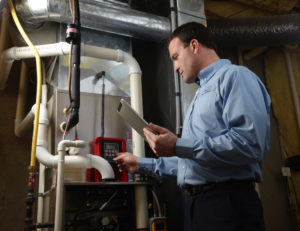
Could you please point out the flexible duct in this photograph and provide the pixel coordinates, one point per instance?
(271, 30)
(96, 15)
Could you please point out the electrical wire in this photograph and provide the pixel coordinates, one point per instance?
(74, 13)
(103, 105)
(157, 202)
(39, 83)
(67, 125)
(71, 10)
(70, 77)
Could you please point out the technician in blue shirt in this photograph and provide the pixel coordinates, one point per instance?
(224, 142)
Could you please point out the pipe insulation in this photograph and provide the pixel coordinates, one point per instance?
(96, 15)
(270, 30)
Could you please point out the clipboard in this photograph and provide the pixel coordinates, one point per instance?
(133, 118)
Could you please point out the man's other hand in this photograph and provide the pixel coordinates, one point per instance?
(126, 161)
(162, 144)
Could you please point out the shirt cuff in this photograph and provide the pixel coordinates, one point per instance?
(185, 148)
(146, 165)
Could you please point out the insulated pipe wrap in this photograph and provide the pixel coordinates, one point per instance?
(271, 30)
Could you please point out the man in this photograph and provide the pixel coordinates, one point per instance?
(225, 138)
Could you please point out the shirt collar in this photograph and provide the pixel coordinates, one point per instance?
(206, 74)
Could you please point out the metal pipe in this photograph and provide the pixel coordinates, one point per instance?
(96, 15)
(101, 16)
(177, 86)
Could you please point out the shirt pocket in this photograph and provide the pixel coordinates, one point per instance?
(205, 115)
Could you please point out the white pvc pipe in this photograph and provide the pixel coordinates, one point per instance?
(46, 50)
(40, 207)
(62, 48)
(84, 161)
(42, 168)
(97, 52)
(78, 161)
(60, 179)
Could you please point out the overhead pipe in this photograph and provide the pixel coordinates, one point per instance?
(96, 15)
(101, 16)
(269, 30)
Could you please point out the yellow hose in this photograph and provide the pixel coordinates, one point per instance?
(39, 83)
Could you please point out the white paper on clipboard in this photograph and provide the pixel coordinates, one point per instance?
(132, 117)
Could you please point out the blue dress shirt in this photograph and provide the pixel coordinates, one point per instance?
(226, 131)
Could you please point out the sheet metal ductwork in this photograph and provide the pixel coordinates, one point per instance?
(271, 30)
(101, 16)
(96, 15)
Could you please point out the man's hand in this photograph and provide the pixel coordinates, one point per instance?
(126, 161)
(162, 144)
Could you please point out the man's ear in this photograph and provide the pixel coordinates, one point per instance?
(195, 45)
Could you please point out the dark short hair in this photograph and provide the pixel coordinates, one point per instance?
(193, 30)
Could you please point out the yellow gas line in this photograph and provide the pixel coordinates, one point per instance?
(39, 83)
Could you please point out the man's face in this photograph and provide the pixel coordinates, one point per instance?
(184, 60)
